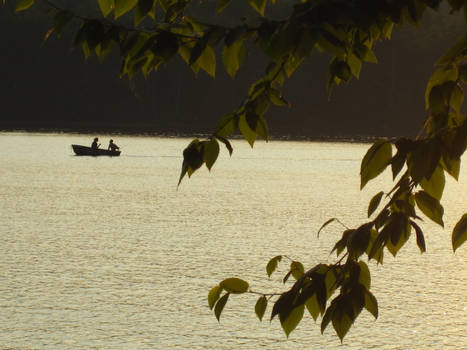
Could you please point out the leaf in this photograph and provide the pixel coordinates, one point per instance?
(211, 152)
(297, 269)
(371, 304)
(106, 6)
(272, 265)
(313, 307)
(430, 206)
(293, 319)
(420, 236)
(207, 61)
(341, 320)
(220, 306)
(434, 186)
(258, 5)
(233, 56)
(123, 6)
(214, 295)
(325, 224)
(249, 134)
(375, 161)
(459, 234)
(24, 5)
(375, 202)
(261, 306)
(222, 4)
(234, 285)
(364, 277)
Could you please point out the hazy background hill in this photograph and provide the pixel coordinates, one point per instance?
(53, 87)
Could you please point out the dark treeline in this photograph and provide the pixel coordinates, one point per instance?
(53, 87)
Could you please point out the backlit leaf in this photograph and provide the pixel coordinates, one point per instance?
(375, 161)
(313, 307)
(222, 4)
(371, 304)
(430, 206)
(234, 285)
(123, 6)
(211, 152)
(207, 61)
(214, 295)
(258, 5)
(293, 319)
(261, 306)
(364, 277)
(220, 306)
(341, 320)
(374, 202)
(272, 265)
(24, 5)
(106, 6)
(296, 269)
(249, 134)
(233, 56)
(459, 234)
(435, 185)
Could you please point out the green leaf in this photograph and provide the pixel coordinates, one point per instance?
(430, 206)
(364, 53)
(375, 161)
(192, 159)
(435, 185)
(106, 6)
(261, 306)
(214, 295)
(234, 285)
(272, 265)
(364, 277)
(276, 98)
(24, 5)
(297, 269)
(459, 234)
(249, 134)
(341, 320)
(439, 77)
(123, 6)
(142, 10)
(374, 202)
(211, 152)
(313, 307)
(292, 320)
(222, 4)
(233, 57)
(371, 304)
(258, 5)
(207, 61)
(220, 306)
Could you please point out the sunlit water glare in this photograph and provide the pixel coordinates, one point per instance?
(105, 253)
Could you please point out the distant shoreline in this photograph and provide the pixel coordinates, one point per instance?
(181, 134)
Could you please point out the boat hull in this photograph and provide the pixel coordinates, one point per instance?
(88, 151)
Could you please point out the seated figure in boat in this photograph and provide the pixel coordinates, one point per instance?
(94, 144)
(112, 146)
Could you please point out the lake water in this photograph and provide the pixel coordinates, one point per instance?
(105, 253)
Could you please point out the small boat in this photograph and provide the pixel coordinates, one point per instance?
(88, 151)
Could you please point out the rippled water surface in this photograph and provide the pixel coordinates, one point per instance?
(105, 253)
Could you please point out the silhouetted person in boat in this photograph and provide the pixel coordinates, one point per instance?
(112, 146)
(94, 143)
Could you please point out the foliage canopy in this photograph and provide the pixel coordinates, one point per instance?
(346, 30)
